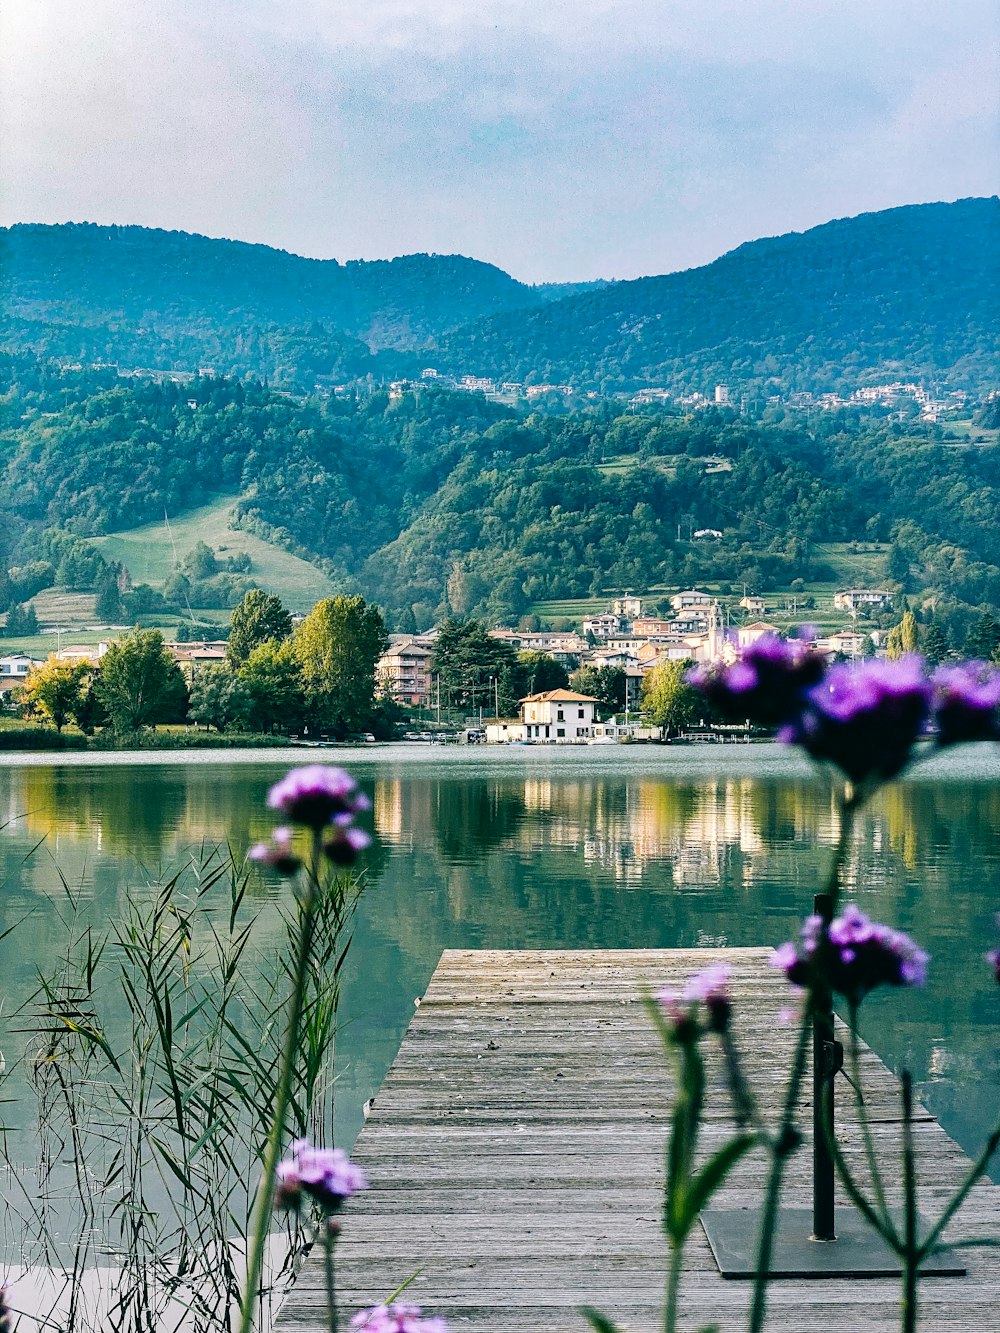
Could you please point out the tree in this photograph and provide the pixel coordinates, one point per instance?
(935, 647)
(667, 699)
(54, 692)
(337, 646)
(259, 617)
(606, 684)
(140, 684)
(218, 697)
(272, 678)
(983, 639)
(471, 663)
(22, 620)
(108, 607)
(542, 672)
(909, 633)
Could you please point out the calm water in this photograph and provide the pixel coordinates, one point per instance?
(523, 848)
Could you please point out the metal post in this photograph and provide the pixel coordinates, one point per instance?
(825, 1064)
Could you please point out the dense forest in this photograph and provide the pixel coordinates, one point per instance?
(909, 292)
(912, 291)
(435, 503)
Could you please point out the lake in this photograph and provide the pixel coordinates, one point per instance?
(617, 847)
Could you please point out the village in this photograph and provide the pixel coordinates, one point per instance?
(623, 637)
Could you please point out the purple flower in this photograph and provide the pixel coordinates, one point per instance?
(317, 794)
(767, 684)
(343, 845)
(277, 853)
(966, 702)
(396, 1318)
(993, 958)
(860, 955)
(6, 1313)
(325, 1175)
(709, 987)
(865, 718)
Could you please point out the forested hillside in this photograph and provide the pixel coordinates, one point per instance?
(438, 502)
(912, 292)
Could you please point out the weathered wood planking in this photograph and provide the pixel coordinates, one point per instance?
(515, 1152)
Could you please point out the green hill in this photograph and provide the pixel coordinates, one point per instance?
(907, 293)
(151, 552)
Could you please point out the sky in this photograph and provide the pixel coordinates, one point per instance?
(559, 139)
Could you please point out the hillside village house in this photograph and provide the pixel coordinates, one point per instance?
(683, 601)
(604, 626)
(14, 669)
(628, 607)
(853, 599)
(749, 634)
(560, 717)
(756, 606)
(404, 670)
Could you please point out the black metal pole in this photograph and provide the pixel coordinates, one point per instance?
(824, 1069)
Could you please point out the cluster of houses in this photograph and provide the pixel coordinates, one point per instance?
(15, 667)
(623, 636)
(898, 395)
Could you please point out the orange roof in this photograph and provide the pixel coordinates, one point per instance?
(558, 696)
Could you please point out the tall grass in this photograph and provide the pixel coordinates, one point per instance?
(152, 1052)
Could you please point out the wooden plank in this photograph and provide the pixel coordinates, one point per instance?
(516, 1157)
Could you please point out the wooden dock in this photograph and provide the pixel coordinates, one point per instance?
(515, 1152)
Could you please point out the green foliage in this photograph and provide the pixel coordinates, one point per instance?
(666, 699)
(54, 692)
(607, 684)
(542, 672)
(217, 697)
(471, 664)
(259, 617)
(272, 678)
(139, 682)
(21, 620)
(905, 287)
(983, 641)
(337, 646)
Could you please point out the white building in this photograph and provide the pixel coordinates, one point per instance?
(749, 634)
(852, 599)
(559, 717)
(627, 606)
(604, 626)
(683, 601)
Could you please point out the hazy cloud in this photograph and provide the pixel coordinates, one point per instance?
(557, 139)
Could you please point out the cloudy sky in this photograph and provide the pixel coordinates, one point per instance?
(557, 138)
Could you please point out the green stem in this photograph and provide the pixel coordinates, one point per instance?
(784, 1144)
(865, 1123)
(975, 1172)
(673, 1286)
(265, 1191)
(781, 1150)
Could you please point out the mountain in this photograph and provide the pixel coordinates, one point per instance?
(87, 275)
(911, 292)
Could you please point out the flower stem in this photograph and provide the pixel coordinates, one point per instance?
(282, 1096)
(781, 1149)
(673, 1286)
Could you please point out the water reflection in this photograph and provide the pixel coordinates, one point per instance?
(628, 849)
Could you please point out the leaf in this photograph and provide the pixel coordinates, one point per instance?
(598, 1322)
(711, 1176)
